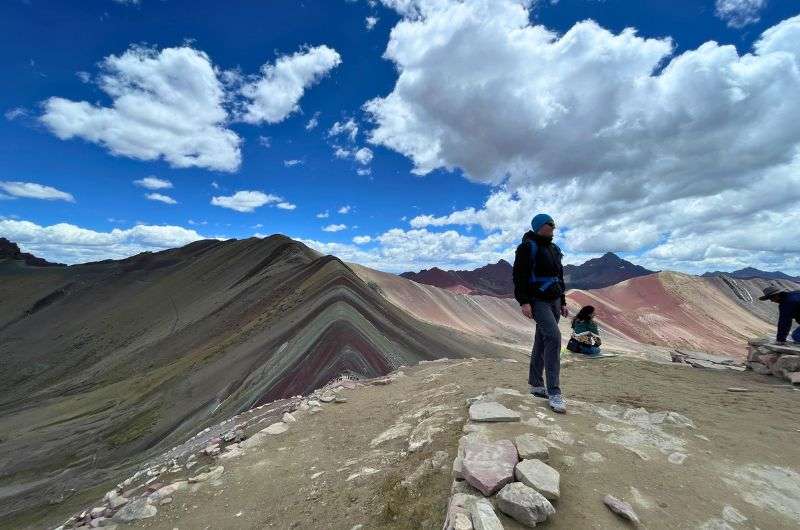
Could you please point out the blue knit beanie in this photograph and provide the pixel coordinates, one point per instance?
(540, 219)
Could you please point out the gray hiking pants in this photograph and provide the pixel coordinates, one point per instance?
(546, 353)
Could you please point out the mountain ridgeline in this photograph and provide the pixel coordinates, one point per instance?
(106, 363)
(496, 279)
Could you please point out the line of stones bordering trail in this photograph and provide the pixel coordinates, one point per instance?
(198, 461)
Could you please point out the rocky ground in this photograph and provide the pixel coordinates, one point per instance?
(684, 447)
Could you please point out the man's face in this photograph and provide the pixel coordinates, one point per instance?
(546, 229)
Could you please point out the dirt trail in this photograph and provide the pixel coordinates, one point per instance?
(323, 473)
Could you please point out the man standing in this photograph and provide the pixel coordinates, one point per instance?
(788, 309)
(539, 289)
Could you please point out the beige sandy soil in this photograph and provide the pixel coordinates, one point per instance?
(323, 473)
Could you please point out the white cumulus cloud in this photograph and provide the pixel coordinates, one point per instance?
(165, 104)
(334, 228)
(68, 243)
(245, 201)
(32, 190)
(629, 144)
(739, 13)
(276, 93)
(153, 183)
(166, 199)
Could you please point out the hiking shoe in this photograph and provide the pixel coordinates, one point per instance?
(557, 404)
(538, 391)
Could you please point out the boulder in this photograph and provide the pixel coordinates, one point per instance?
(768, 359)
(531, 446)
(488, 466)
(794, 377)
(786, 364)
(524, 504)
(288, 418)
(483, 516)
(539, 476)
(458, 517)
(623, 509)
(491, 411)
(135, 510)
(169, 490)
(760, 368)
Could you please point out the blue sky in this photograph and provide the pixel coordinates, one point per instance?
(68, 188)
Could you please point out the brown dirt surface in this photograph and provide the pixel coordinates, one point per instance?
(738, 452)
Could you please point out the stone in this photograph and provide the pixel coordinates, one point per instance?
(399, 430)
(457, 517)
(97, 512)
(288, 418)
(212, 450)
(340, 399)
(488, 466)
(760, 368)
(524, 504)
(593, 457)
(135, 510)
(794, 378)
(738, 389)
(623, 509)
(491, 411)
(169, 490)
(115, 500)
(233, 436)
(732, 515)
(327, 398)
(483, 516)
(209, 475)
(786, 364)
(677, 458)
(531, 446)
(768, 359)
(539, 476)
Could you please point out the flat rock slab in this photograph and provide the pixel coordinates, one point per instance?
(488, 466)
(135, 510)
(483, 516)
(531, 446)
(524, 504)
(492, 411)
(539, 476)
(458, 517)
(623, 509)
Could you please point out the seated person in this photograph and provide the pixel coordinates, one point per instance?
(585, 335)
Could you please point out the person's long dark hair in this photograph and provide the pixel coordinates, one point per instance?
(585, 313)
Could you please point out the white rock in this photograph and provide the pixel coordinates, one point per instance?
(732, 515)
(531, 446)
(539, 476)
(288, 418)
(483, 516)
(491, 411)
(134, 510)
(623, 509)
(677, 458)
(524, 504)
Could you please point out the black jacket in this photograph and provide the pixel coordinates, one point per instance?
(548, 263)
